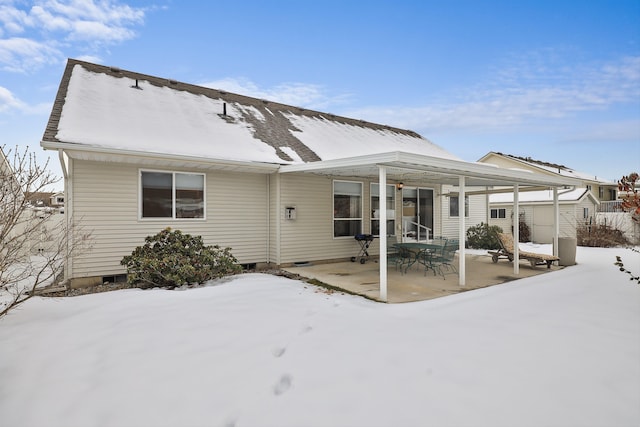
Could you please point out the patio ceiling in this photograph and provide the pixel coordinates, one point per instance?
(403, 166)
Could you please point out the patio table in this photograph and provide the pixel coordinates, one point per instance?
(417, 248)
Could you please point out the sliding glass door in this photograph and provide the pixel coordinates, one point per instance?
(417, 214)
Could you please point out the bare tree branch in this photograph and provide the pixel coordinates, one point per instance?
(34, 240)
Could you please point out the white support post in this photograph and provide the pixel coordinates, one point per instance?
(382, 194)
(462, 232)
(556, 221)
(516, 229)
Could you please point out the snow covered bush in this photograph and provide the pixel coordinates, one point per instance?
(483, 236)
(171, 258)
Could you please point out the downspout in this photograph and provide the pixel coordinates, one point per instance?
(268, 249)
(68, 212)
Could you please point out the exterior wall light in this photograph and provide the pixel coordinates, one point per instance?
(400, 186)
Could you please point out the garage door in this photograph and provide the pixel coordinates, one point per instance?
(542, 231)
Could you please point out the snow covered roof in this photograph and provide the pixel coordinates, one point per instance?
(552, 167)
(544, 196)
(100, 107)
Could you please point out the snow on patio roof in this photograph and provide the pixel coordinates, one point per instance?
(101, 107)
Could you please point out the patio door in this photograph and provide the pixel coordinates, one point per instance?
(417, 214)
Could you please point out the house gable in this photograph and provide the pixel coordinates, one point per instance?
(539, 166)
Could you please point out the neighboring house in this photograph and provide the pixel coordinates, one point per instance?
(26, 211)
(602, 189)
(276, 183)
(580, 204)
(46, 200)
(56, 200)
(577, 206)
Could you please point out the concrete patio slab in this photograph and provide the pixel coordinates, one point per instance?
(414, 285)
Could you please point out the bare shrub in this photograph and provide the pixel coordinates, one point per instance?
(34, 241)
(599, 235)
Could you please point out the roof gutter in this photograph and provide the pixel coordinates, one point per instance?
(67, 147)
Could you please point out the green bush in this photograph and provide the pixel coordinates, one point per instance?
(171, 258)
(483, 236)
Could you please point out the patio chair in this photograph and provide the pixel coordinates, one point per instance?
(443, 261)
(396, 255)
(428, 259)
(440, 260)
(439, 239)
(506, 250)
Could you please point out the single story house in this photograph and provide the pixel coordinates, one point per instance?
(577, 205)
(278, 184)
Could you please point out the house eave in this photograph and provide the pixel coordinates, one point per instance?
(95, 153)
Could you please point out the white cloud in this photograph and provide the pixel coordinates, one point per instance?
(50, 24)
(296, 94)
(21, 54)
(8, 101)
(523, 94)
(12, 19)
(90, 58)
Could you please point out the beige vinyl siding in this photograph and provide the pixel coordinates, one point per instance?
(310, 236)
(106, 196)
(539, 218)
(506, 163)
(503, 223)
(477, 212)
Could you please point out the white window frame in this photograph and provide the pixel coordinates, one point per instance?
(173, 195)
(498, 211)
(333, 202)
(467, 206)
(391, 189)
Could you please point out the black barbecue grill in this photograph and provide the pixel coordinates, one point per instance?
(364, 240)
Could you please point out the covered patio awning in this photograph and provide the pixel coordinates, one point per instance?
(402, 166)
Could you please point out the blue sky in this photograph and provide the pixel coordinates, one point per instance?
(558, 81)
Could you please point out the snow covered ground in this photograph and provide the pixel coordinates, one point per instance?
(559, 349)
